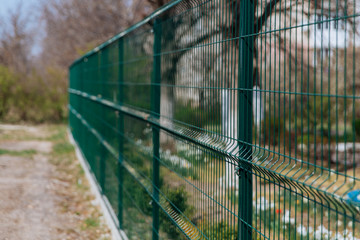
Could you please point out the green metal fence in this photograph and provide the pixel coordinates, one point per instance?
(227, 119)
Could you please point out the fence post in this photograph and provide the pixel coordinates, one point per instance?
(121, 131)
(245, 75)
(101, 73)
(80, 104)
(155, 112)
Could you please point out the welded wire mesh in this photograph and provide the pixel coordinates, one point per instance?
(227, 119)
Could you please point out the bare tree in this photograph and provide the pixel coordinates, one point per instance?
(74, 27)
(272, 48)
(16, 41)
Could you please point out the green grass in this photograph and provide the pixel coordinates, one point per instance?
(59, 135)
(24, 153)
(91, 222)
(62, 148)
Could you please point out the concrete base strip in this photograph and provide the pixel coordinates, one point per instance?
(108, 212)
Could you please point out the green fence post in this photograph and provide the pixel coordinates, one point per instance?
(155, 107)
(102, 77)
(246, 47)
(121, 130)
(79, 86)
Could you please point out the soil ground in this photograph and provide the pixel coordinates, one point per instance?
(43, 191)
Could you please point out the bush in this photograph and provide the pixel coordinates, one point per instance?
(185, 112)
(7, 80)
(356, 125)
(220, 230)
(178, 197)
(33, 98)
(273, 130)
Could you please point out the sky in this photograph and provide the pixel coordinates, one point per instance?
(6, 5)
(28, 6)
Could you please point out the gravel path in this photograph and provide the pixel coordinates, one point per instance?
(27, 204)
(30, 205)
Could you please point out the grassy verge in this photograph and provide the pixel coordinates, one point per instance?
(24, 153)
(80, 219)
(76, 189)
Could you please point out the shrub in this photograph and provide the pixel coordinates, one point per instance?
(197, 116)
(178, 197)
(33, 97)
(356, 125)
(7, 80)
(220, 230)
(272, 130)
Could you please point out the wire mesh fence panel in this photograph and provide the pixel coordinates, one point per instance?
(226, 119)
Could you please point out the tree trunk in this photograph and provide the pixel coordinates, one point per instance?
(167, 115)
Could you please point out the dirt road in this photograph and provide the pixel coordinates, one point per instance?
(43, 192)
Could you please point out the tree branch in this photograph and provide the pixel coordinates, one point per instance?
(269, 8)
(198, 41)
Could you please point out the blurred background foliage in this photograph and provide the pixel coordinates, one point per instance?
(38, 42)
